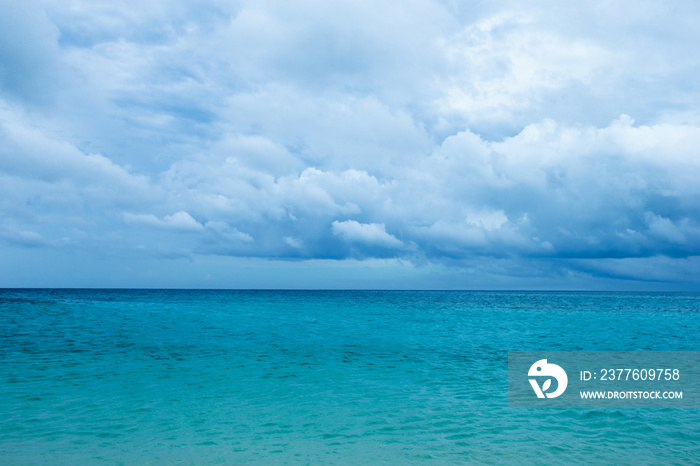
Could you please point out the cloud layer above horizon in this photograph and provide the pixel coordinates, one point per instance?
(437, 143)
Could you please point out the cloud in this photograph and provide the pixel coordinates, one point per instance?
(296, 243)
(372, 234)
(488, 220)
(503, 64)
(664, 228)
(24, 238)
(579, 187)
(180, 221)
(26, 151)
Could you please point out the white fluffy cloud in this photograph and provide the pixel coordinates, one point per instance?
(371, 234)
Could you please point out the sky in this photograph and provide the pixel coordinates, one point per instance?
(412, 144)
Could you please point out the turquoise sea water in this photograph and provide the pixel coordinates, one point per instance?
(322, 377)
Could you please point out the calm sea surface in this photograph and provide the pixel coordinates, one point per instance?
(317, 377)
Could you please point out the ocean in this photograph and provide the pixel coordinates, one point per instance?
(322, 377)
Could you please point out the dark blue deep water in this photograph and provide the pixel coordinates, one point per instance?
(322, 377)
